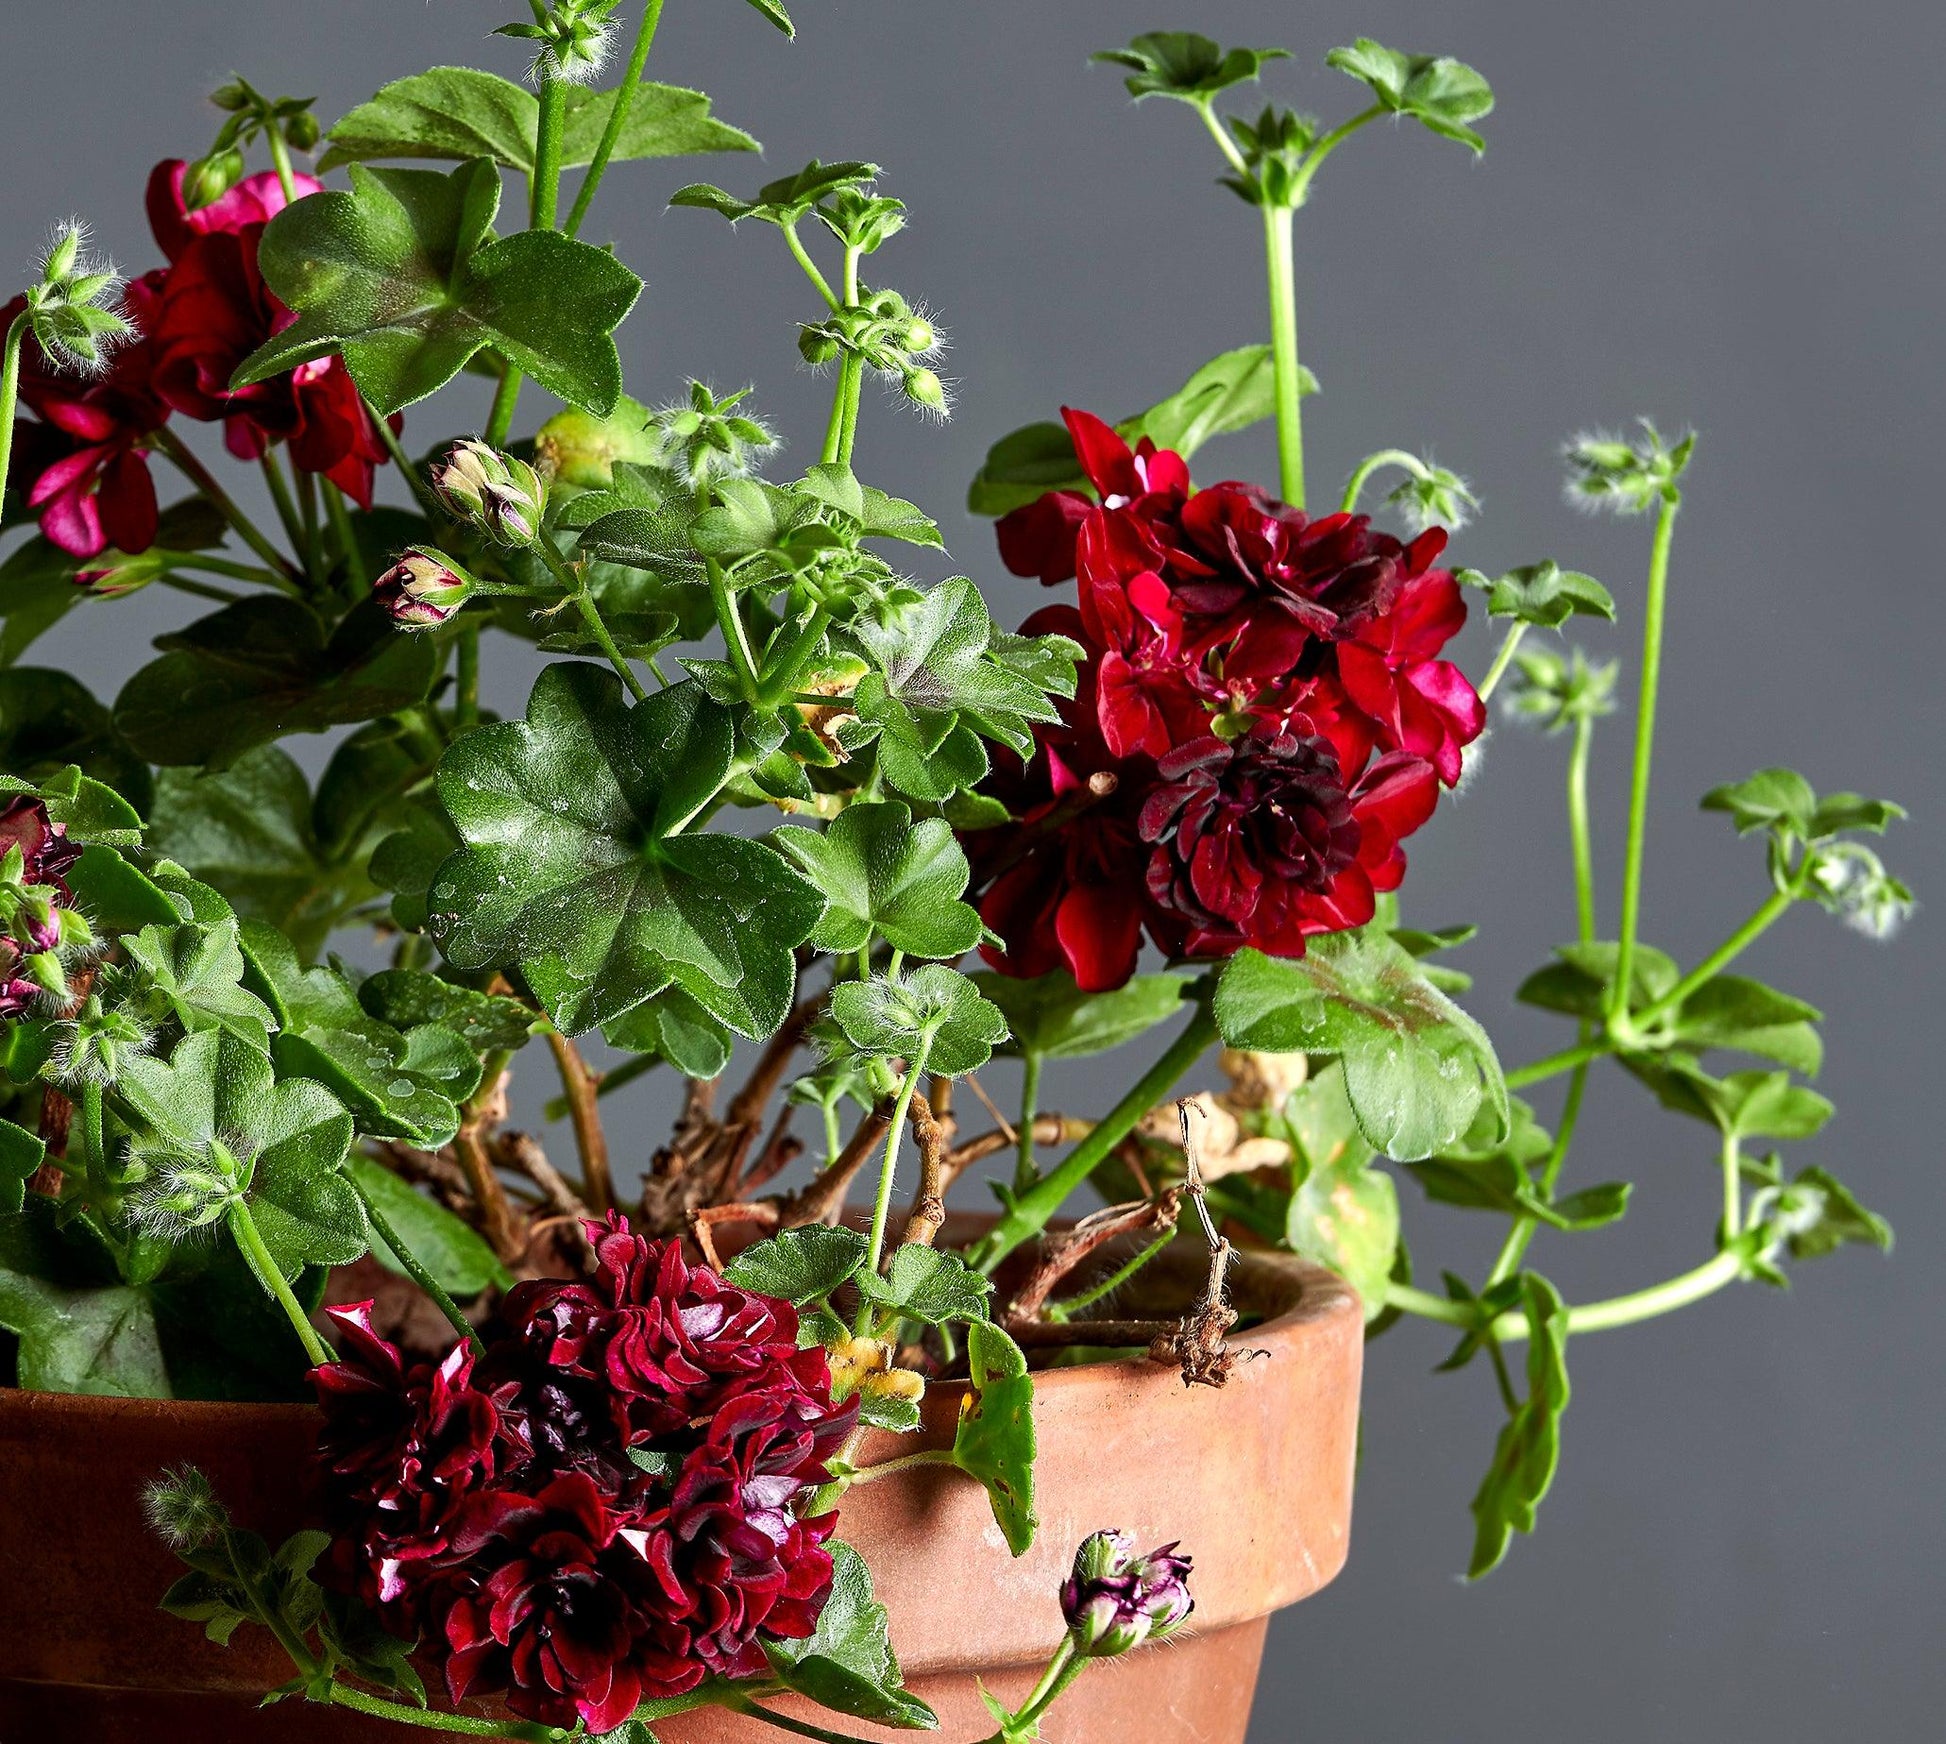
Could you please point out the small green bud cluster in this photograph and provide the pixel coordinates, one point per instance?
(183, 1509)
(704, 438)
(1850, 881)
(96, 1044)
(494, 493)
(248, 116)
(1551, 690)
(72, 309)
(862, 221)
(1434, 497)
(182, 1192)
(574, 38)
(1630, 478)
(1273, 147)
(887, 334)
(42, 940)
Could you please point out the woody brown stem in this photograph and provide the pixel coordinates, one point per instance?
(823, 1199)
(929, 1205)
(764, 1213)
(522, 1151)
(434, 1169)
(1049, 1129)
(1089, 1236)
(1052, 1334)
(481, 1113)
(581, 1087)
(779, 1152)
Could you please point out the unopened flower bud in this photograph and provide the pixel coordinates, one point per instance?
(1115, 1600)
(233, 97)
(817, 345)
(98, 1044)
(183, 1509)
(115, 576)
(208, 179)
(422, 590)
(501, 496)
(920, 335)
(301, 130)
(924, 388)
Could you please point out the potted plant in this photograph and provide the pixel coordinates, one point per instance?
(445, 1434)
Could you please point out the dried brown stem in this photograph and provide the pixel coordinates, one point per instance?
(489, 1196)
(1089, 1236)
(582, 1088)
(1049, 1129)
(1198, 1343)
(435, 1169)
(824, 1198)
(1107, 1334)
(522, 1152)
(780, 1150)
(929, 1204)
(703, 1220)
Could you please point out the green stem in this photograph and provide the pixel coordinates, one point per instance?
(280, 157)
(1069, 1306)
(167, 442)
(466, 675)
(266, 1608)
(1355, 485)
(1554, 1064)
(1030, 1212)
(1578, 831)
(1062, 1669)
(211, 564)
(1603, 1316)
(1224, 143)
(1502, 660)
(803, 258)
(577, 590)
(414, 1270)
(346, 535)
(244, 1228)
(1732, 1161)
(617, 116)
(1283, 346)
(10, 393)
(421, 489)
(834, 429)
(1514, 1249)
(544, 190)
(202, 590)
(742, 1704)
(1314, 158)
(730, 622)
(905, 1462)
(882, 1205)
(359, 1702)
(286, 506)
(1767, 914)
(1026, 1170)
(93, 1147)
(1638, 804)
(852, 380)
(500, 421)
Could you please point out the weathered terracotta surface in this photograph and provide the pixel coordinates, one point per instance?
(1255, 1480)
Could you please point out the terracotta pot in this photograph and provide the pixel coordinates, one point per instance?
(1255, 1480)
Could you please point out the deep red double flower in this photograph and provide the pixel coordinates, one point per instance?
(603, 1507)
(31, 924)
(1262, 717)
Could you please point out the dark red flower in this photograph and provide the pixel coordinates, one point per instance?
(1258, 843)
(90, 472)
(34, 891)
(1039, 539)
(216, 310)
(1416, 702)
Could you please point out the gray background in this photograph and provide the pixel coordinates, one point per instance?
(1708, 211)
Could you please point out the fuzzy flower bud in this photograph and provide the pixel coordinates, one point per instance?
(208, 179)
(187, 1193)
(422, 590)
(96, 1045)
(574, 38)
(924, 388)
(1115, 1600)
(501, 496)
(73, 309)
(117, 576)
(183, 1509)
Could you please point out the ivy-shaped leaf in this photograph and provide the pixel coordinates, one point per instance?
(21, 1155)
(1742, 1105)
(1051, 1017)
(785, 200)
(1781, 800)
(1343, 1213)
(194, 973)
(847, 1663)
(264, 668)
(995, 1438)
(927, 1284)
(575, 870)
(1440, 93)
(1543, 594)
(460, 113)
(80, 1340)
(1416, 1066)
(489, 1022)
(673, 1027)
(799, 1265)
(397, 277)
(1181, 64)
(1530, 1445)
(881, 874)
(933, 1009)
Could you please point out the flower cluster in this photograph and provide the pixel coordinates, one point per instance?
(1115, 1600)
(195, 319)
(38, 930)
(600, 1508)
(1262, 718)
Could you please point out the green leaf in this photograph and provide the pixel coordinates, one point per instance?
(489, 1022)
(395, 277)
(876, 515)
(1770, 799)
(995, 1438)
(404, 1084)
(573, 869)
(784, 200)
(1442, 94)
(99, 1341)
(1578, 983)
(195, 973)
(1181, 64)
(1529, 1447)
(21, 1154)
(1498, 1176)
(89, 810)
(927, 1284)
(49, 720)
(248, 830)
(673, 1027)
(1344, 1214)
(1052, 1017)
(264, 668)
(361, 794)
(799, 1265)
(1732, 1011)
(879, 873)
(460, 113)
(1743, 1105)
(407, 861)
(293, 1136)
(933, 1009)
(1543, 594)
(1416, 1066)
(1821, 1214)
(776, 14)
(447, 1246)
(847, 1663)
(36, 592)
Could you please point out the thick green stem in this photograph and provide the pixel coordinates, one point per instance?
(905, 1462)
(1604, 1316)
(167, 442)
(287, 515)
(343, 1696)
(1638, 804)
(500, 420)
(742, 1704)
(617, 116)
(803, 258)
(1026, 1170)
(1501, 661)
(280, 157)
(1065, 1666)
(415, 1270)
(244, 1228)
(1069, 1306)
(1031, 1211)
(1554, 1064)
(1283, 347)
(882, 1205)
(10, 393)
(544, 191)
(1579, 835)
(1773, 908)
(1355, 485)
(1314, 158)
(736, 644)
(1731, 1157)
(577, 590)
(93, 1148)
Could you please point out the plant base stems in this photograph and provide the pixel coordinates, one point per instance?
(580, 1086)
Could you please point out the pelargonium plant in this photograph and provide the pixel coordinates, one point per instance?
(768, 795)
